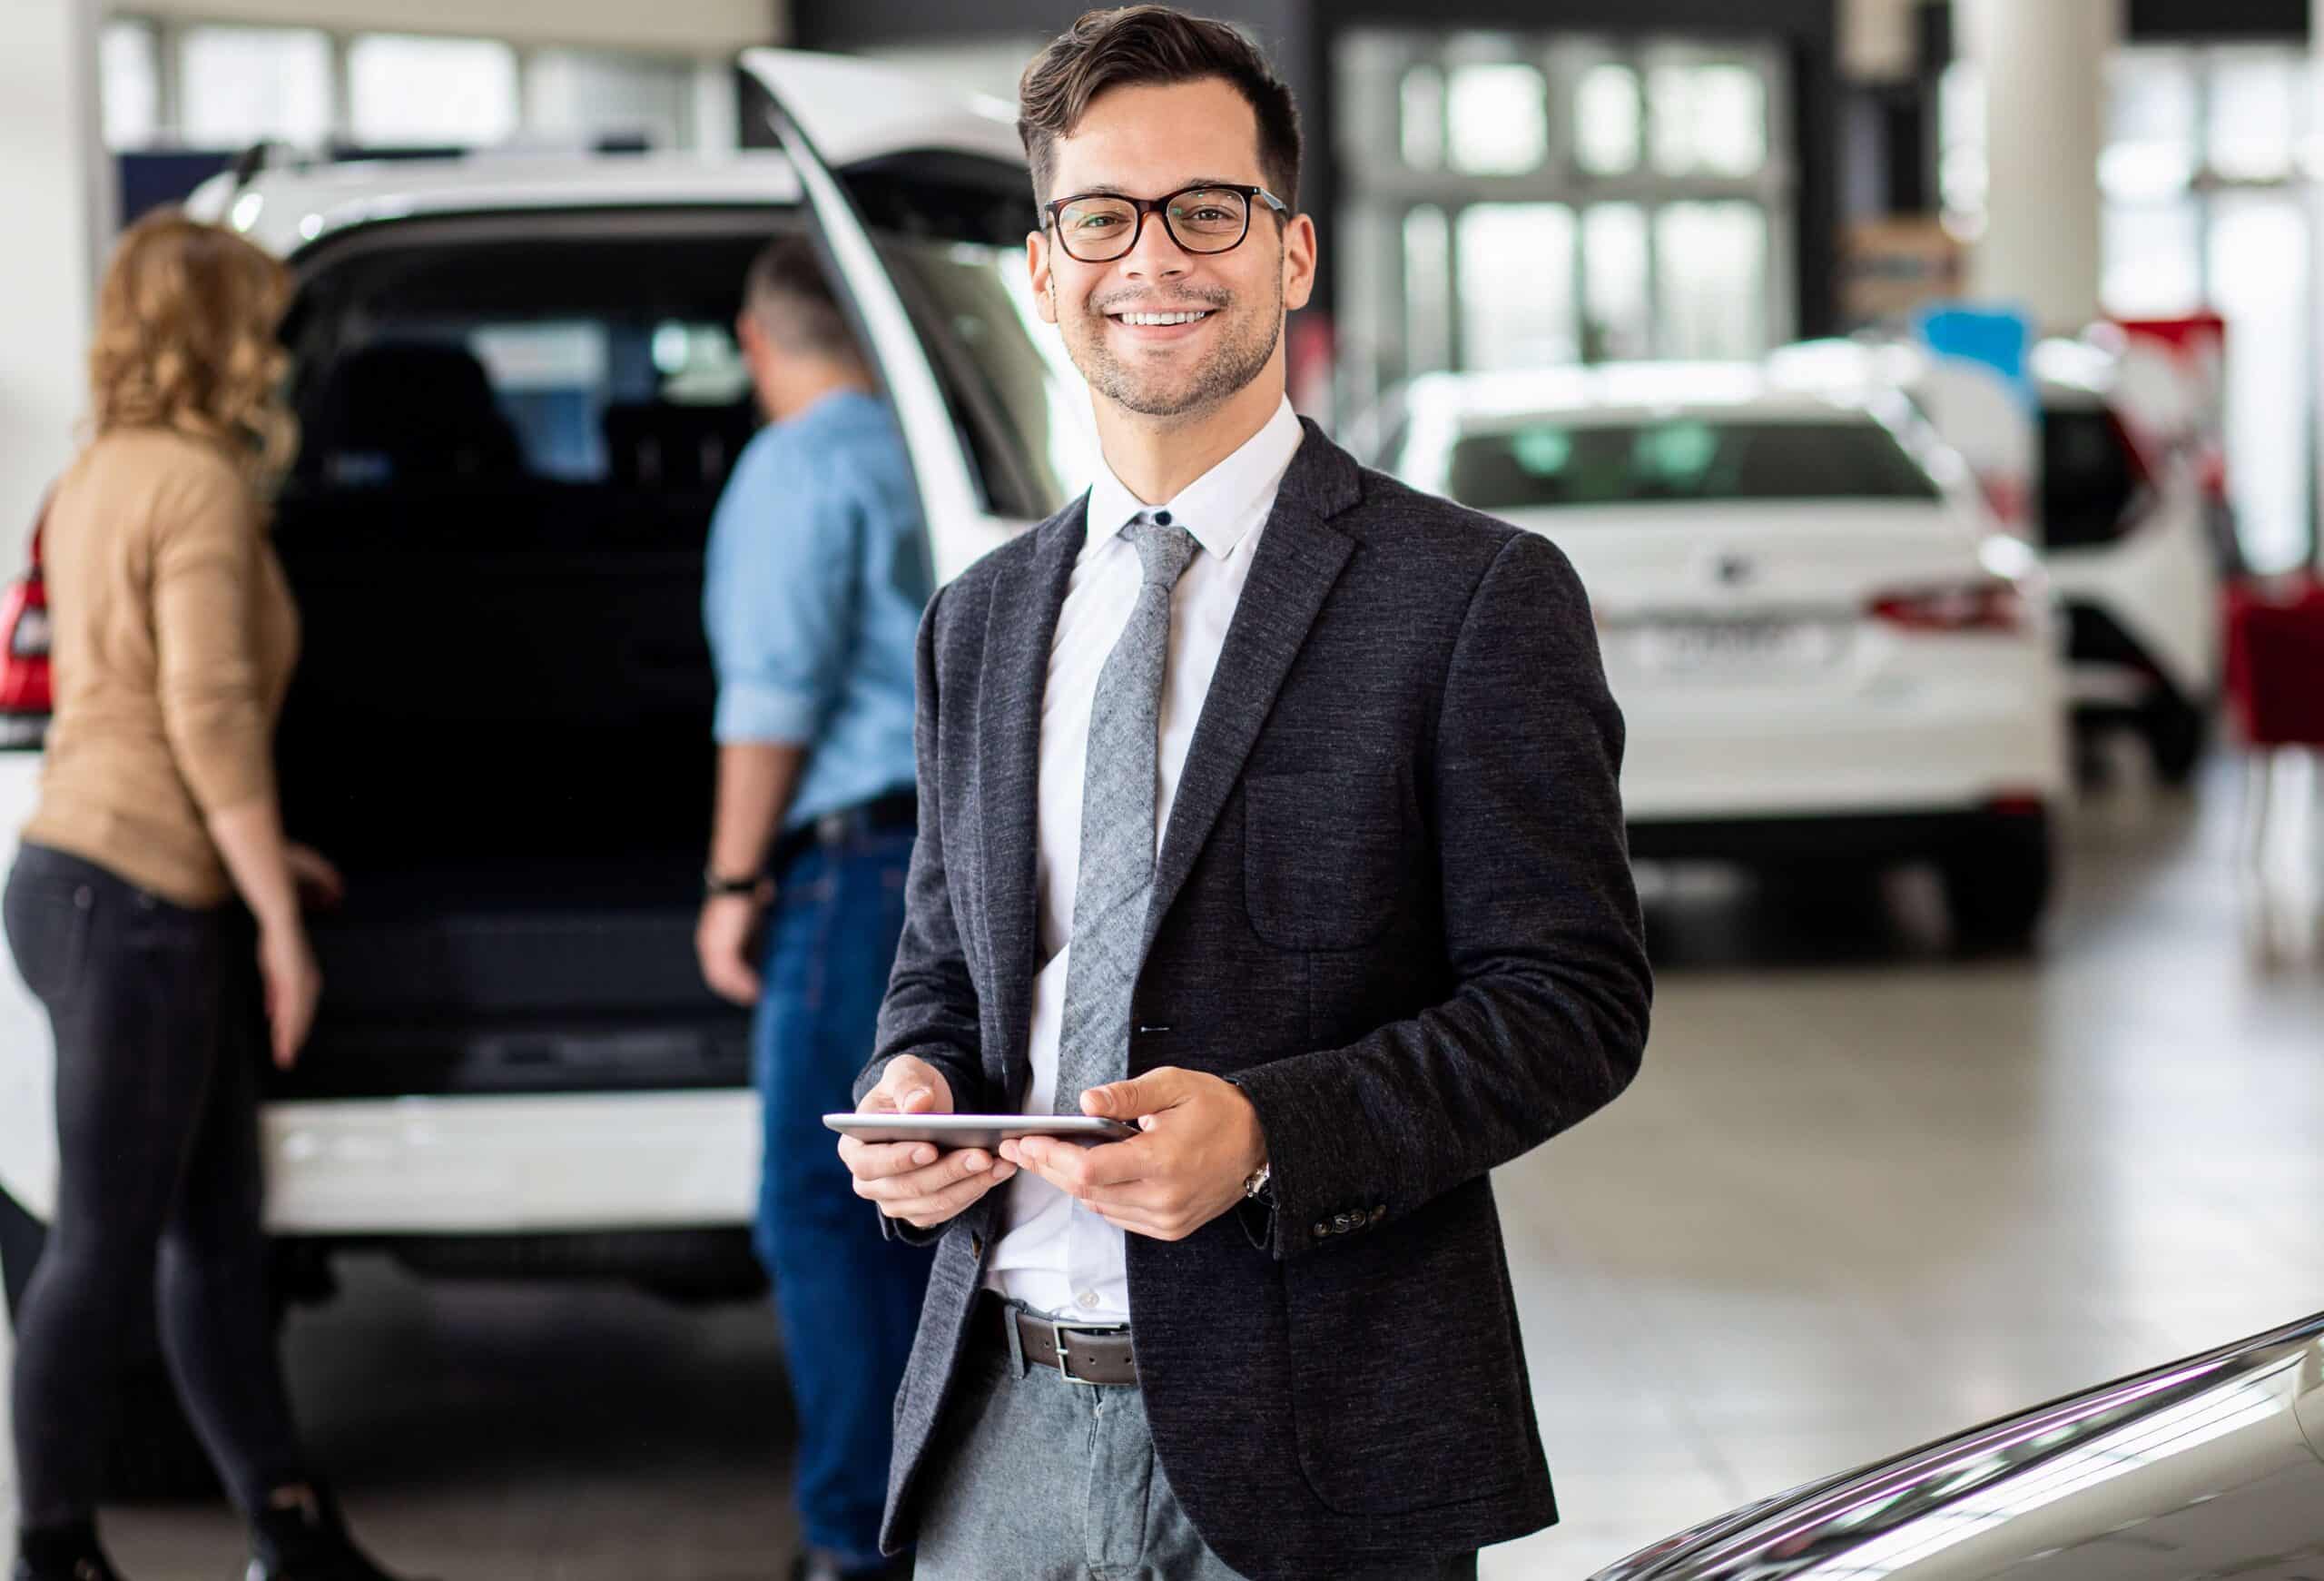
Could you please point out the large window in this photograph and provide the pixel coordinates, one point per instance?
(129, 73)
(407, 90)
(1515, 200)
(238, 85)
(168, 84)
(2204, 187)
(2204, 181)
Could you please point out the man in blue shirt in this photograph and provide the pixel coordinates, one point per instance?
(818, 570)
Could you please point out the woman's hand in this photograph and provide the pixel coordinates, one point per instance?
(319, 884)
(286, 965)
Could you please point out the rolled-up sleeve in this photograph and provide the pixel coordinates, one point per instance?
(206, 569)
(779, 594)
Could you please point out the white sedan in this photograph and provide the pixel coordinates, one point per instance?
(1823, 644)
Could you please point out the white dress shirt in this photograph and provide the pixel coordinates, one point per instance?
(1054, 1254)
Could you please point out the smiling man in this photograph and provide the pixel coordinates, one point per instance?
(1272, 807)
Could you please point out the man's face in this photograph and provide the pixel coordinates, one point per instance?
(1143, 141)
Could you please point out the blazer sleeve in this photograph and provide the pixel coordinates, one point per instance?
(932, 1007)
(1547, 1022)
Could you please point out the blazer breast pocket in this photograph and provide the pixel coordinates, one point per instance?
(1325, 856)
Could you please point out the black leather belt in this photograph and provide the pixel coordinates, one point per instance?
(879, 816)
(1098, 1356)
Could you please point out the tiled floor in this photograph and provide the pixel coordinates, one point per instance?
(1862, 1195)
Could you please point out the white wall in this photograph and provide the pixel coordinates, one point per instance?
(59, 196)
(670, 26)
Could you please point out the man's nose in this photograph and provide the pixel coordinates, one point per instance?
(1156, 255)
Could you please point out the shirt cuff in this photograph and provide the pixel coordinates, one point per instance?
(751, 713)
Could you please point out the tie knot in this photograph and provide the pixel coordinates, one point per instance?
(1162, 549)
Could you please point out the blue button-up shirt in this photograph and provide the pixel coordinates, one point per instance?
(818, 570)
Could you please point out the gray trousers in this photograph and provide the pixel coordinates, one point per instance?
(1045, 1479)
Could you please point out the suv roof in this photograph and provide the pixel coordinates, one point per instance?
(288, 209)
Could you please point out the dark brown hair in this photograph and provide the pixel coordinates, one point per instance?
(787, 295)
(1152, 45)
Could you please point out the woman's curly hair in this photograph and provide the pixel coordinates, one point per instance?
(186, 339)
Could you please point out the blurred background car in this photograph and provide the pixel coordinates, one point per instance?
(1824, 647)
(2124, 523)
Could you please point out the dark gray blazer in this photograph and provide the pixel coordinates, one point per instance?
(1394, 904)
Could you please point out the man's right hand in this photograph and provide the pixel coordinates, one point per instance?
(913, 1180)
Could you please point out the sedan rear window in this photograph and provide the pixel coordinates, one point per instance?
(1683, 459)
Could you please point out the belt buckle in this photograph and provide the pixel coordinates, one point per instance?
(1058, 1332)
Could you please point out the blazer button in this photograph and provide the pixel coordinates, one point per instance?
(1322, 1229)
(1379, 1212)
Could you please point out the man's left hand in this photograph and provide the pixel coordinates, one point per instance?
(1202, 1140)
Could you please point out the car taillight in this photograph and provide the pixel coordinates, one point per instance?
(1989, 606)
(25, 686)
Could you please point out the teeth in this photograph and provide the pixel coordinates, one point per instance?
(1162, 318)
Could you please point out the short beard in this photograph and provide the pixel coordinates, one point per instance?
(1229, 371)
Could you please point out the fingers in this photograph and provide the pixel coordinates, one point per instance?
(926, 1195)
(1149, 1094)
(291, 1015)
(1080, 1171)
(720, 947)
(872, 1160)
(731, 978)
(910, 1085)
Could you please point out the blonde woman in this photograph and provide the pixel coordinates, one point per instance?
(152, 871)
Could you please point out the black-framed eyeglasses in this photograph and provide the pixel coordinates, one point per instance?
(1099, 227)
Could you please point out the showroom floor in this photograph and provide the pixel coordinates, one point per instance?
(1862, 1195)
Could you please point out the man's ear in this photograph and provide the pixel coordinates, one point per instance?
(1298, 261)
(1037, 267)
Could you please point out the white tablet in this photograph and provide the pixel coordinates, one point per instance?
(985, 1130)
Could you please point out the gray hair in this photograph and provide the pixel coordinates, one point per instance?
(787, 294)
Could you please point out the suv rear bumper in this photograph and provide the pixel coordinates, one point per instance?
(512, 1165)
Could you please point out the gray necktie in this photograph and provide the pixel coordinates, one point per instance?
(1117, 794)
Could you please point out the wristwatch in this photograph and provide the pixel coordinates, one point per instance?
(1255, 1186)
(713, 885)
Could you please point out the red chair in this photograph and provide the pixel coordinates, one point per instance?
(2274, 697)
(2275, 660)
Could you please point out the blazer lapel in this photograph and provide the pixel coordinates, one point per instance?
(1020, 624)
(1299, 556)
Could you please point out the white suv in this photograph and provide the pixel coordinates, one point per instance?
(519, 398)
(2125, 528)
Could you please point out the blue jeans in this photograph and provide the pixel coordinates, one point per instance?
(848, 1297)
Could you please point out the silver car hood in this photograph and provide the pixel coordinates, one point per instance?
(2208, 1467)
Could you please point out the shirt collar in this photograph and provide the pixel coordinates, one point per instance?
(1221, 507)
